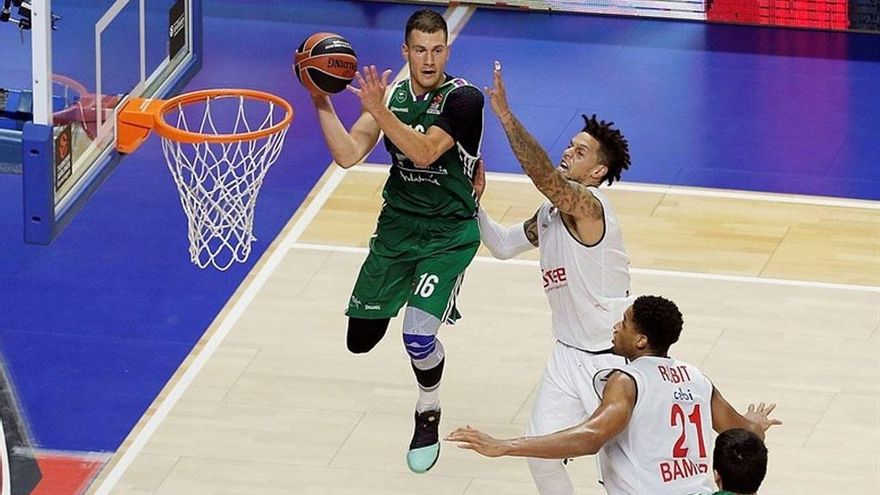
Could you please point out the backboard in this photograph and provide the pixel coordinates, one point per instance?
(87, 58)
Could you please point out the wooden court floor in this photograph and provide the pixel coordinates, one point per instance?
(781, 297)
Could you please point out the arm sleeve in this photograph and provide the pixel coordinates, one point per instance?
(503, 242)
(462, 115)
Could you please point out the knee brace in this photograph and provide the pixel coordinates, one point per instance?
(424, 349)
(364, 334)
(419, 347)
(420, 338)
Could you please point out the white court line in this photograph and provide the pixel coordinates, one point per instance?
(683, 191)
(5, 481)
(223, 329)
(640, 271)
(237, 310)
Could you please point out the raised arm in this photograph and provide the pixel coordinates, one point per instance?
(756, 419)
(587, 438)
(568, 196)
(422, 149)
(347, 147)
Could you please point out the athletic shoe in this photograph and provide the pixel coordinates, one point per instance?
(424, 449)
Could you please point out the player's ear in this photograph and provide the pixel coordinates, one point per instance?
(404, 51)
(600, 171)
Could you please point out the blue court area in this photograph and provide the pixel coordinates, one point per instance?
(94, 325)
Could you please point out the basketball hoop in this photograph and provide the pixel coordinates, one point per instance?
(218, 145)
(81, 107)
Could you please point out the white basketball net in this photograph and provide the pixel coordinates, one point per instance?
(219, 182)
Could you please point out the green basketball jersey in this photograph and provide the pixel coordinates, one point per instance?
(445, 189)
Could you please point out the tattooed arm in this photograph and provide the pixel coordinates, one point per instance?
(530, 227)
(570, 197)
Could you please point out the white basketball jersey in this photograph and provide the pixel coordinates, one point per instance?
(587, 286)
(666, 449)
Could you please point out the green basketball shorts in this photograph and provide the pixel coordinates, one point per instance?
(415, 261)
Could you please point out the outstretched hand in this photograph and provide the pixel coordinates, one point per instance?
(474, 439)
(760, 415)
(370, 88)
(497, 94)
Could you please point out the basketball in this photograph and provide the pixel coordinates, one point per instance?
(325, 63)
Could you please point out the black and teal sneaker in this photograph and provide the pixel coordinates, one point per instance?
(424, 449)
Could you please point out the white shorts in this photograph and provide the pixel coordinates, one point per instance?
(566, 396)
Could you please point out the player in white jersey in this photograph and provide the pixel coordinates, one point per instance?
(654, 422)
(584, 268)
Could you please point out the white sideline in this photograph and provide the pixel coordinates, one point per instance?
(641, 271)
(682, 190)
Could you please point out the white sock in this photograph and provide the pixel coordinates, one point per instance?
(428, 401)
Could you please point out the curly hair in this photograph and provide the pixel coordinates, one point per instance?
(426, 21)
(658, 319)
(614, 149)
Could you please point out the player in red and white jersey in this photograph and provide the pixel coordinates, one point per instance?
(661, 453)
(654, 421)
(587, 285)
(584, 268)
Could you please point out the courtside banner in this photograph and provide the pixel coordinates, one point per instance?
(836, 15)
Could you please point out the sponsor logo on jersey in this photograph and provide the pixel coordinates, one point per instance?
(399, 109)
(682, 395)
(355, 302)
(373, 307)
(554, 278)
(435, 105)
(418, 177)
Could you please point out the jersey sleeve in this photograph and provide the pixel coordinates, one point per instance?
(462, 114)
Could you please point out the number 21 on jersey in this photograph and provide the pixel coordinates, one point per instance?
(681, 466)
(679, 418)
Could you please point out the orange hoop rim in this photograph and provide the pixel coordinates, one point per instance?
(172, 133)
(70, 83)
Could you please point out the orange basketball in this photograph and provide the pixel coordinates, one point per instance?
(325, 63)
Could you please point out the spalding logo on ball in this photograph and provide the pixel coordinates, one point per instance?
(325, 63)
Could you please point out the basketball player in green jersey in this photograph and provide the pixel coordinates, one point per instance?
(740, 462)
(427, 232)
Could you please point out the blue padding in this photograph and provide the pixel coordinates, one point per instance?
(419, 346)
(37, 168)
